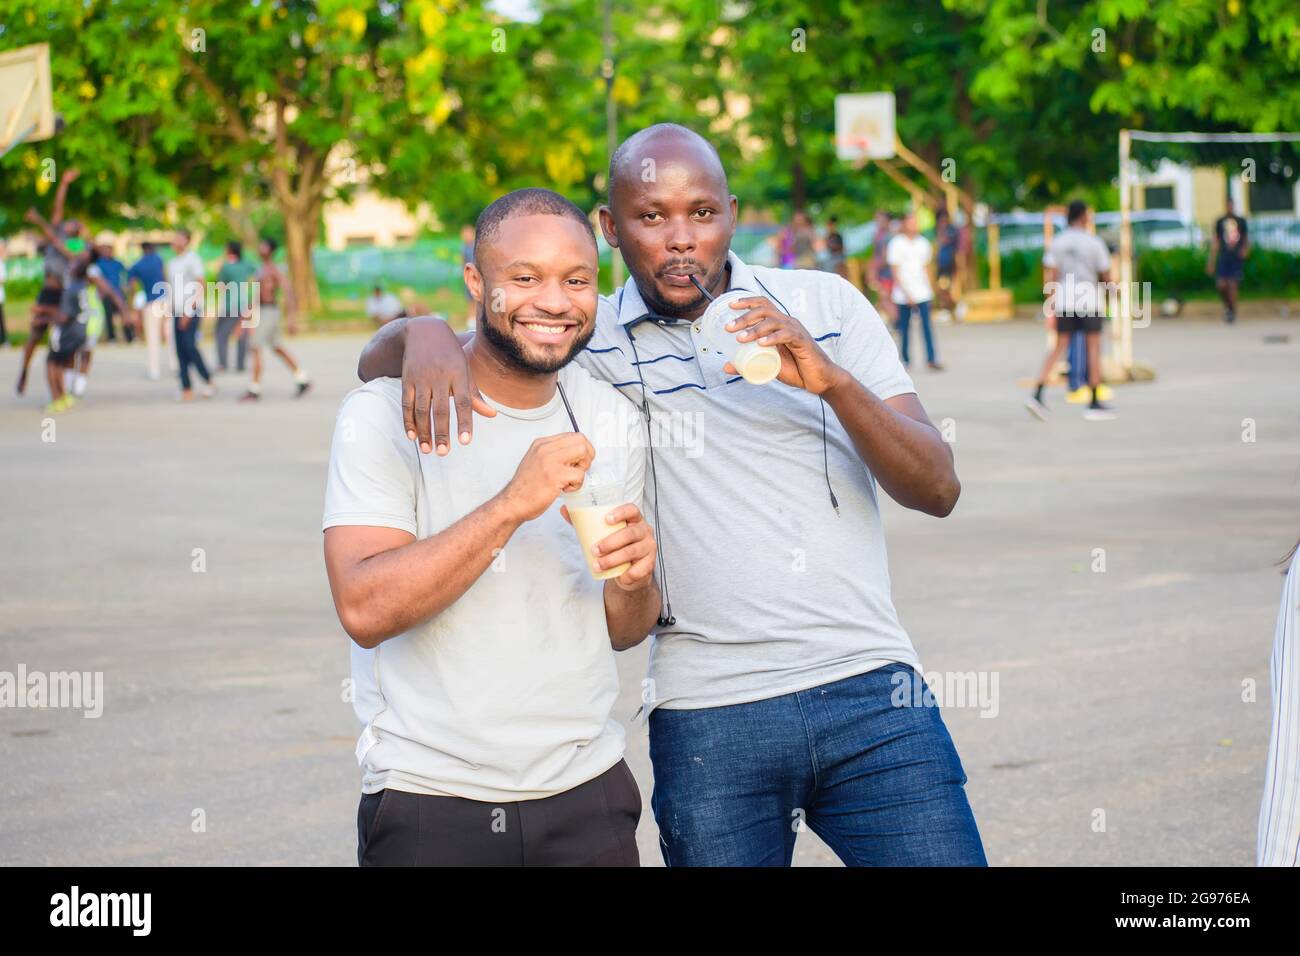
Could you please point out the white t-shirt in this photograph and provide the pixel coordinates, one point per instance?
(383, 308)
(184, 272)
(1079, 258)
(908, 257)
(507, 694)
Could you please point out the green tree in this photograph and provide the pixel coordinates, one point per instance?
(224, 101)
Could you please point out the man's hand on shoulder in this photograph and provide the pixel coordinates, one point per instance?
(435, 373)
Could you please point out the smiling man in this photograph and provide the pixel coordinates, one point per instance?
(483, 644)
(782, 687)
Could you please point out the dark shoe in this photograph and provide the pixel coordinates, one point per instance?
(303, 389)
(250, 397)
(1098, 412)
(935, 366)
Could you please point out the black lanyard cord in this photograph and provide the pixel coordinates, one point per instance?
(666, 618)
(826, 467)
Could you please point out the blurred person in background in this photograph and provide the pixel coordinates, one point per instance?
(797, 243)
(946, 239)
(80, 317)
(383, 306)
(835, 248)
(880, 278)
(1074, 264)
(1229, 248)
(185, 284)
(265, 330)
(114, 273)
(909, 257)
(45, 312)
(234, 304)
(151, 301)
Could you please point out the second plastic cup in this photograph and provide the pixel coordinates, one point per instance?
(757, 364)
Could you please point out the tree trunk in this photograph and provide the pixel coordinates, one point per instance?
(300, 236)
(798, 185)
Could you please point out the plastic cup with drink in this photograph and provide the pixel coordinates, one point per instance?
(600, 494)
(757, 364)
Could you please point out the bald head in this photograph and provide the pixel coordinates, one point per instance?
(663, 143)
(671, 215)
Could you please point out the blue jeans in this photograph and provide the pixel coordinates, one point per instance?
(905, 328)
(187, 351)
(881, 784)
(1078, 357)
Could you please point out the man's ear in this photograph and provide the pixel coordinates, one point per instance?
(607, 226)
(734, 216)
(474, 280)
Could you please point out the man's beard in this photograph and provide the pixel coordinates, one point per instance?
(658, 306)
(512, 353)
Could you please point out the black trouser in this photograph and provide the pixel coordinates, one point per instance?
(187, 351)
(594, 824)
(4, 336)
(226, 326)
(110, 309)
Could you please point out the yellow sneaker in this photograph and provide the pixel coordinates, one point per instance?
(1104, 393)
(1080, 396)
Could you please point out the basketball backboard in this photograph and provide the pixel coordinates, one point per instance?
(26, 106)
(864, 126)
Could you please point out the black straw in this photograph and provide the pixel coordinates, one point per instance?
(700, 287)
(564, 398)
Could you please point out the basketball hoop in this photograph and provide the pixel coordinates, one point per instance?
(26, 103)
(864, 126)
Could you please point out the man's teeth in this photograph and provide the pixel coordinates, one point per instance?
(546, 329)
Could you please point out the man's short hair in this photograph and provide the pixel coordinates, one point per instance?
(147, 248)
(1077, 210)
(182, 231)
(270, 243)
(235, 248)
(532, 201)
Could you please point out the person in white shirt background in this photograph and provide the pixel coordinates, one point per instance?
(909, 257)
(185, 288)
(384, 306)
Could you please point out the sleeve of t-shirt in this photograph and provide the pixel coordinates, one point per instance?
(866, 349)
(372, 473)
(893, 252)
